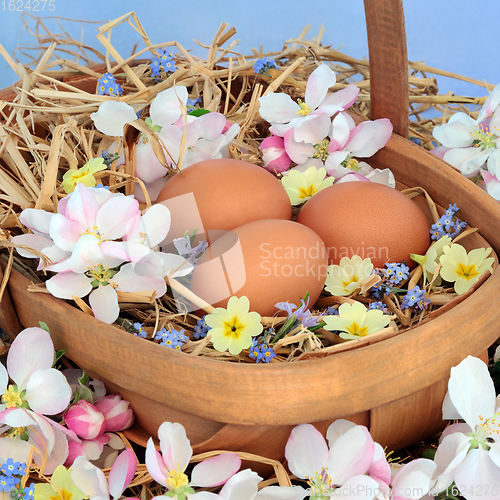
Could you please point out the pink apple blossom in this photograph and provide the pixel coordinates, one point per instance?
(469, 453)
(38, 390)
(336, 471)
(168, 467)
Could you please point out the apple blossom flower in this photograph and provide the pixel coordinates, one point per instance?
(85, 420)
(274, 154)
(355, 321)
(118, 416)
(346, 277)
(38, 390)
(300, 186)
(362, 141)
(84, 174)
(469, 453)
(168, 467)
(336, 471)
(469, 144)
(232, 329)
(464, 269)
(302, 117)
(93, 483)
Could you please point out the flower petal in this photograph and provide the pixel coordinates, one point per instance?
(166, 108)
(306, 451)
(30, 351)
(48, 392)
(122, 473)
(277, 108)
(216, 470)
(175, 446)
(318, 83)
(472, 391)
(104, 303)
(89, 479)
(65, 285)
(112, 116)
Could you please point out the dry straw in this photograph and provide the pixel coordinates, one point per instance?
(45, 129)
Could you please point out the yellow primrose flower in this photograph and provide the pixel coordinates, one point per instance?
(84, 175)
(300, 186)
(462, 268)
(346, 278)
(233, 328)
(355, 321)
(429, 261)
(61, 487)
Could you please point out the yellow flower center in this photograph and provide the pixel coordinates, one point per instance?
(16, 431)
(304, 108)
(177, 479)
(483, 138)
(466, 272)
(322, 150)
(233, 328)
(306, 192)
(62, 494)
(359, 331)
(93, 232)
(12, 397)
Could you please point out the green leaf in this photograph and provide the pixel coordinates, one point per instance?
(199, 112)
(43, 326)
(58, 355)
(82, 391)
(429, 453)
(284, 329)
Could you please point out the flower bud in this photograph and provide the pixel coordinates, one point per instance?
(85, 420)
(274, 155)
(116, 411)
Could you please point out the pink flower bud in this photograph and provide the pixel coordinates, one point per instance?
(274, 155)
(85, 420)
(116, 411)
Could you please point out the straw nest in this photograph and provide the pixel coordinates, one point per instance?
(45, 129)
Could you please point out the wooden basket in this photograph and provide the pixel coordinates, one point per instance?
(395, 387)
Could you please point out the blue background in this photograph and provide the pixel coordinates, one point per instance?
(458, 36)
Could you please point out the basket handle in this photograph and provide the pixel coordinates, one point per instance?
(389, 94)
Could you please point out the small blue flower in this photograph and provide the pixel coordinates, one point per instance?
(397, 272)
(140, 330)
(6, 483)
(263, 66)
(415, 298)
(12, 468)
(331, 311)
(378, 305)
(201, 329)
(452, 210)
(29, 492)
(173, 339)
(106, 85)
(163, 61)
(261, 352)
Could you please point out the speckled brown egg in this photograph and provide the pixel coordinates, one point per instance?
(369, 220)
(222, 194)
(268, 261)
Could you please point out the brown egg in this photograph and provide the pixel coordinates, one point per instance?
(222, 195)
(369, 220)
(269, 261)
